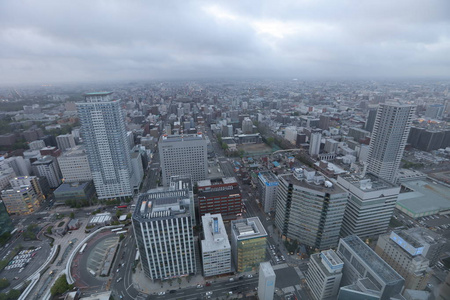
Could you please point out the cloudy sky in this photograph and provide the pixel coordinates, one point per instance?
(63, 41)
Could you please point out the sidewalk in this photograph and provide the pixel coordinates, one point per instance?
(145, 285)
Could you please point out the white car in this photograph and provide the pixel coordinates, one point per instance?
(208, 293)
(161, 293)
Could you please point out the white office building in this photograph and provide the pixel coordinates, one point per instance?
(388, 140)
(314, 143)
(163, 231)
(267, 186)
(65, 141)
(266, 281)
(371, 203)
(74, 165)
(183, 154)
(310, 208)
(103, 132)
(216, 248)
(324, 274)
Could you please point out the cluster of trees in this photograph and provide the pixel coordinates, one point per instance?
(30, 233)
(11, 295)
(4, 238)
(60, 286)
(77, 203)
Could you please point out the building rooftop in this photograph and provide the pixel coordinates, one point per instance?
(216, 237)
(423, 196)
(311, 180)
(98, 94)
(368, 183)
(162, 204)
(376, 263)
(70, 187)
(268, 178)
(182, 137)
(267, 269)
(249, 228)
(45, 160)
(332, 259)
(74, 152)
(216, 181)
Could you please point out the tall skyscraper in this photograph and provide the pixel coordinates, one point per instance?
(163, 230)
(183, 154)
(314, 143)
(266, 281)
(310, 208)
(103, 131)
(267, 187)
(389, 136)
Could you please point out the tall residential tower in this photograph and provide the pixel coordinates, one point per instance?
(103, 129)
(388, 141)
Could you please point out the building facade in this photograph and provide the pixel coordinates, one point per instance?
(404, 254)
(74, 165)
(216, 249)
(103, 132)
(388, 140)
(65, 141)
(371, 203)
(314, 143)
(20, 201)
(220, 196)
(365, 272)
(266, 281)
(309, 208)
(183, 154)
(47, 167)
(163, 230)
(267, 187)
(248, 244)
(324, 274)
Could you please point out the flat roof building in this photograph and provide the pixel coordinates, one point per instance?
(266, 282)
(324, 274)
(163, 230)
(183, 154)
(74, 165)
(310, 208)
(248, 243)
(216, 249)
(267, 186)
(365, 272)
(371, 203)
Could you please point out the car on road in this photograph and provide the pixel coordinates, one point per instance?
(199, 286)
(231, 279)
(249, 276)
(118, 280)
(209, 293)
(161, 293)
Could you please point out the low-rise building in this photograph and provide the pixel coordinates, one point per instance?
(324, 274)
(79, 192)
(248, 243)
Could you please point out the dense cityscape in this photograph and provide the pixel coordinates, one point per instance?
(225, 189)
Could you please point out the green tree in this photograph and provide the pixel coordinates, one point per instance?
(4, 283)
(128, 215)
(118, 213)
(72, 215)
(270, 140)
(224, 146)
(60, 286)
(121, 236)
(49, 229)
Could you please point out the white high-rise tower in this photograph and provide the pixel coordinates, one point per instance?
(389, 136)
(103, 130)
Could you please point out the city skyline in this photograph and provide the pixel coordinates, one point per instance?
(198, 39)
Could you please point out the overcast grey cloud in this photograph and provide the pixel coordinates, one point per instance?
(63, 41)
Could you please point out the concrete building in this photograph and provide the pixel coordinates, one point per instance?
(65, 141)
(266, 281)
(267, 187)
(365, 274)
(36, 145)
(20, 201)
(331, 146)
(388, 140)
(104, 135)
(47, 167)
(20, 166)
(33, 181)
(371, 203)
(220, 196)
(216, 249)
(183, 154)
(247, 126)
(74, 165)
(248, 244)
(370, 122)
(404, 254)
(314, 143)
(163, 230)
(138, 170)
(324, 274)
(310, 208)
